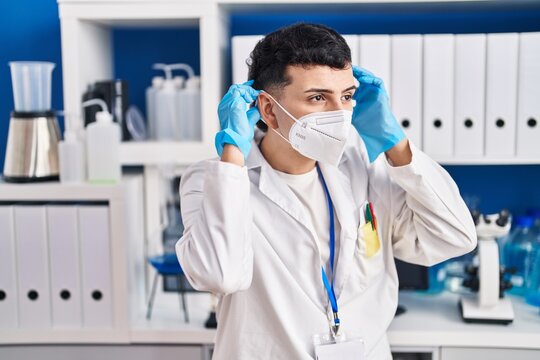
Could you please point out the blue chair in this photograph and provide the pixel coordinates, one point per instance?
(167, 265)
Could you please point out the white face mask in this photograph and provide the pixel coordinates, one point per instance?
(320, 136)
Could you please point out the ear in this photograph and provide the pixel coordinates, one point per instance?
(266, 109)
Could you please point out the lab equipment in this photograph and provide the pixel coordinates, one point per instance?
(489, 306)
(372, 116)
(532, 276)
(518, 252)
(320, 136)
(175, 110)
(103, 146)
(71, 158)
(32, 158)
(135, 124)
(151, 92)
(115, 93)
(189, 109)
(237, 122)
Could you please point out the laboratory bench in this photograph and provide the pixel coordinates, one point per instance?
(431, 328)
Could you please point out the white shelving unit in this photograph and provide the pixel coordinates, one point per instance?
(126, 246)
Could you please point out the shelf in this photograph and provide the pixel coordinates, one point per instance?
(487, 161)
(164, 152)
(56, 191)
(185, 153)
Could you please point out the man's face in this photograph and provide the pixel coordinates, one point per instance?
(314, 89)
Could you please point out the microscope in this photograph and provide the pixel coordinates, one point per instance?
(487, 279)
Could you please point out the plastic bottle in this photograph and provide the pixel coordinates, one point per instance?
(532, 276)
(189, 101)
(71, 158)
(103, 146)
(532, 282)
(151, 92)
(518, 251)
(166, 113)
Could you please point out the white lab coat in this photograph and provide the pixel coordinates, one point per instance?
(247, 241)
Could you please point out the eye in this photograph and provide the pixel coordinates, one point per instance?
(347, 97)
(317, 98)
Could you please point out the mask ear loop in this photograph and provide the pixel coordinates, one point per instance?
(286, 112)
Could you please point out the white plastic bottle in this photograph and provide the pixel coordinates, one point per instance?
(151, 92)
(165, 110)
(190, 105)
(71, 158)
(103, 146)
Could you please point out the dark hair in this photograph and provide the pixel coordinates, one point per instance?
(298, 44)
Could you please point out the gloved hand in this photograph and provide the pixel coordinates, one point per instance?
(372, 116)
(237, 122)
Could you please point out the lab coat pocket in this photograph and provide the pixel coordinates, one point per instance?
(369, 251)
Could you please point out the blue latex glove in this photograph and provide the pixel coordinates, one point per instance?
(372, 116)
(237, 122)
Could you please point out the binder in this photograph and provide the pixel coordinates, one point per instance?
(501, 94)
(352, 41)
(8, 277)
(32, 266)
(242, 46)
(374, 55)
(469, 92)
(438, 126)
(406, 70)
(64, 265)
(95, 266)
(528, 113)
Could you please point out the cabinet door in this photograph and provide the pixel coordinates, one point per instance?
(448, 353)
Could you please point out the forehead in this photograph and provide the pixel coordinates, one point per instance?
(319, 76)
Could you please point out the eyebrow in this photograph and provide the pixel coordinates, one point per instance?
(328, 90)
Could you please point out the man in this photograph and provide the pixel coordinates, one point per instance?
(295, 228)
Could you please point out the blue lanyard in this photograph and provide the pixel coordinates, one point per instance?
(330, 286)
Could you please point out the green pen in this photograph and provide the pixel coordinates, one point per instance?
(369, 217)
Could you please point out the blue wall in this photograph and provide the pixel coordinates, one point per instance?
(30, 30)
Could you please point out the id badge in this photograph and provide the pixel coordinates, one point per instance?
(328, 347)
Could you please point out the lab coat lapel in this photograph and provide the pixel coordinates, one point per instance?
(341, 194)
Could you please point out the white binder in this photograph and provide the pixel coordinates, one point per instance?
(65, 266)
(8, 277)
(528, 113)
(352, 41)
(32, 266)
(242, 46)
(97, 292)
(407, 84)
(438, 127)
(374, 55)
(469, 92)
(501, 95)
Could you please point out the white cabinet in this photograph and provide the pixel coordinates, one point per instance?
(449, 353)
